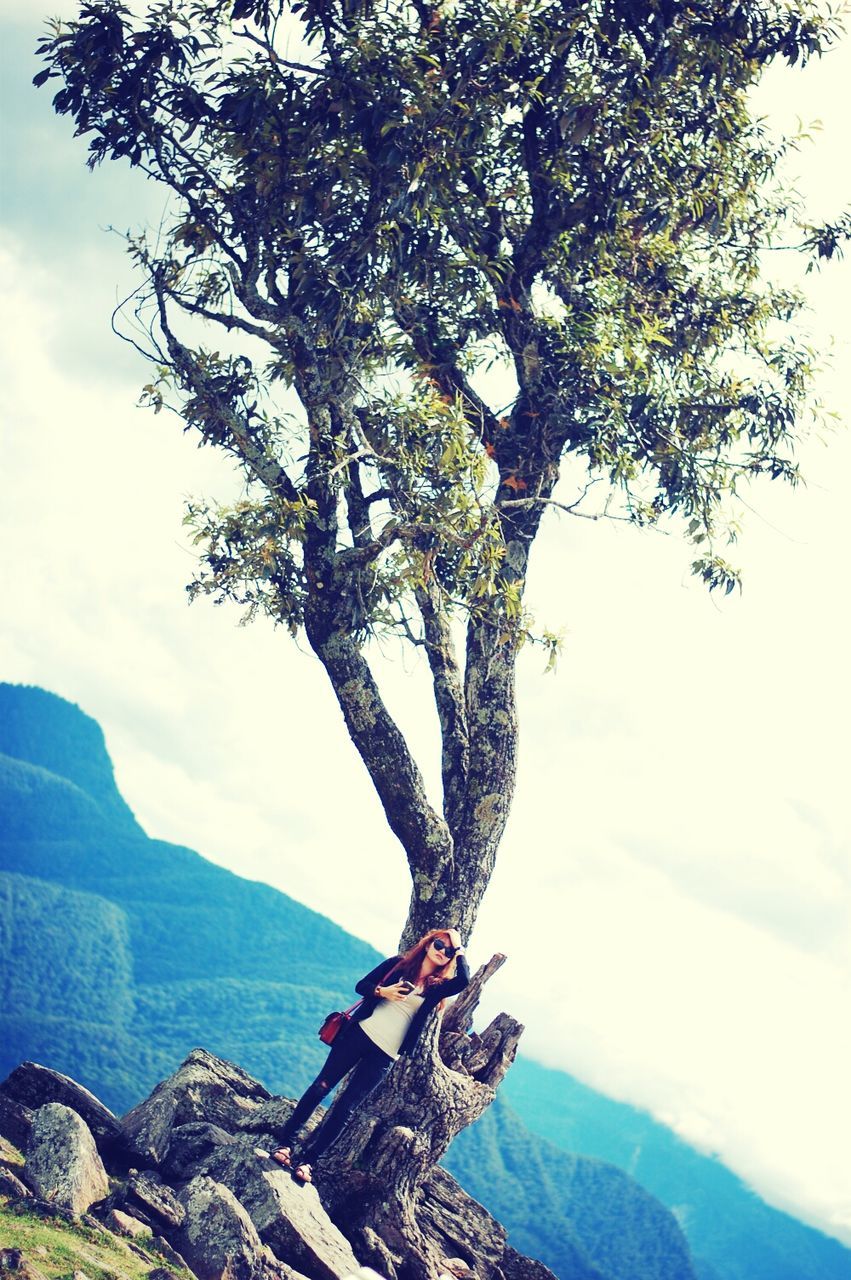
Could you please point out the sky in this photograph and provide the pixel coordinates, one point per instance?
(674, 888)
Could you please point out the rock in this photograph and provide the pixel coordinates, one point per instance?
(13, 1260)
(34, 1086)
(11, 1185)
(15, 1121)
(170, 1254)
(269, 1117)
(203, 1088)
(79, 1275)
(516, 1266)
(160, 1273)
(92, 1223)
(157, 1200)
(125, 1224)
(189, 1144)
(288, 1216)
(46, 1209)
(218, 1238)
(62, 1163)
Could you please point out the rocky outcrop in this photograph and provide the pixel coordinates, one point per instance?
(204, 1088)
(124, 1224)
(62, 1161)
(157, 1200)
(457, 1226)
(32, 1086)
(210, 1194)
(218, 1238)
(289, 1217)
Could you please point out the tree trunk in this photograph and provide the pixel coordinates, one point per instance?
(369, 1179)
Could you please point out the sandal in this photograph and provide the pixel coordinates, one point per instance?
(283, 1157)
(303, 1173)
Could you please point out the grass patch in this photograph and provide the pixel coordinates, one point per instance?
(60, 1248)
(9, 1153)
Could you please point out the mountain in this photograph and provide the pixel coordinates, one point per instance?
(119, 954)
(722, 1217)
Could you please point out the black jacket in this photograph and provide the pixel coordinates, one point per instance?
(381, 976)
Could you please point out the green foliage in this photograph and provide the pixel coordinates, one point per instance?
(33, 802)
(39, 922)
(576, 193)
(533, 1188)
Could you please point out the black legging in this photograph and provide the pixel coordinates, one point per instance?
(352, 1048)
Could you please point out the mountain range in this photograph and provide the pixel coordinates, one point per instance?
(120, 953)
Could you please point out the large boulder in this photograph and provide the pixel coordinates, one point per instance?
(34, 1086)
(269, 1117)
(146, 1197)
(218, 1239)
(288, 1216)
(158, 1201)
(62, 1162)
(204, 1088)
(189, 1145)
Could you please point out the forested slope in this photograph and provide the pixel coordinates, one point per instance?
(119, 954)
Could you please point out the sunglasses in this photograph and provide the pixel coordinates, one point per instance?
(440, 945)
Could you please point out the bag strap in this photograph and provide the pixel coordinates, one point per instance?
(359, 1002)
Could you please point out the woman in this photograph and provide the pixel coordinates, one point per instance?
(399, 996)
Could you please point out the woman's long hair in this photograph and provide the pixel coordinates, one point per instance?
(409, 964)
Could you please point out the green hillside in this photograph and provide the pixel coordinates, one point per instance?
(119, 954)
(722, 1217)
(45, 730)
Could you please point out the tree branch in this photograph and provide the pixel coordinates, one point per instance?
(423, 834)
(449, 699)
(330, 619)
(240, 440)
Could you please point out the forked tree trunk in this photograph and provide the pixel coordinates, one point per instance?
(369, 1178)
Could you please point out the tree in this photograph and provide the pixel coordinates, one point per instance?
(577, 192)
(374, 204)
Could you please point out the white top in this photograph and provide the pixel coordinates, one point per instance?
(389, 1022)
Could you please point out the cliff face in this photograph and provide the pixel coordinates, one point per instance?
(42, 729)
(119, 954)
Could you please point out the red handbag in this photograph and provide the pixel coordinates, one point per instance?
(335, 1022)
